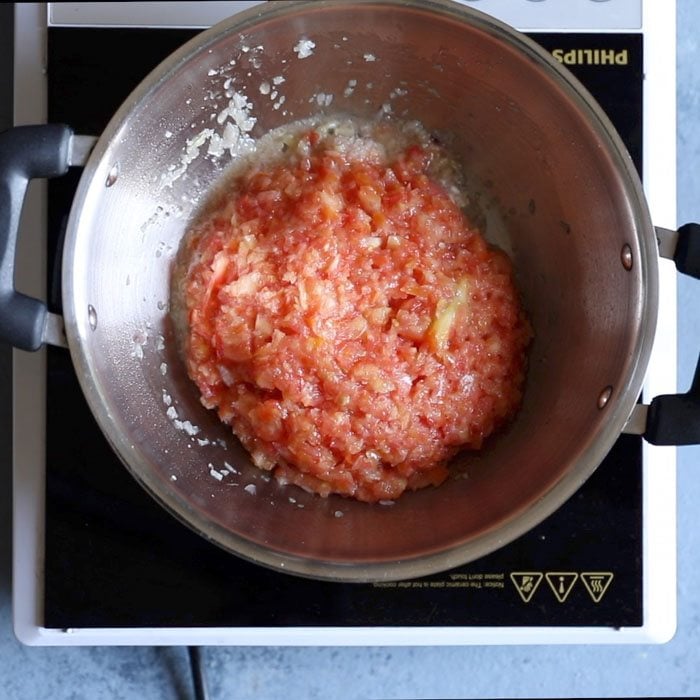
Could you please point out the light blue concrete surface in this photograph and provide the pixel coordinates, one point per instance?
(475, 672)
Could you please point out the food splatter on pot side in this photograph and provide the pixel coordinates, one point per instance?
(340, 313)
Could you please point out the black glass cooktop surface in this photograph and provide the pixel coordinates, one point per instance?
(114, 558)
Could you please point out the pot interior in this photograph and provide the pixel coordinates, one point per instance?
(546, 182)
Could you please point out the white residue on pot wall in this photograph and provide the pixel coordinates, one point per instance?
(138, 341)
(322, 99)
(304, 48)
(183, 425)
(235, 122)
(226, 129)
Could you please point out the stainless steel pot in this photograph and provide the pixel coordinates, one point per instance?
(548, 175)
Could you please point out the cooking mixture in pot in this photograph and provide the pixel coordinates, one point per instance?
(341, 314)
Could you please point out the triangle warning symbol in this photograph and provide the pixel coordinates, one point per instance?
(526, 583)
(596, 583)
(561, 583)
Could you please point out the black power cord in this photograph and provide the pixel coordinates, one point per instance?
(199, 678)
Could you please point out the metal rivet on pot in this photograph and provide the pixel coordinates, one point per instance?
(626, 257)
(112, 175)
(604, 397)
(92, 317)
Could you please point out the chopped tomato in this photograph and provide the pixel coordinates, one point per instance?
(350, 324)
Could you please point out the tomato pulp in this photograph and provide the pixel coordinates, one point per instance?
(347, 321)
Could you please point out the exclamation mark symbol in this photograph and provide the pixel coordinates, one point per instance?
(561, 583)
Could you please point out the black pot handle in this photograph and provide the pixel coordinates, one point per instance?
(674, 419)
(26, 152)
